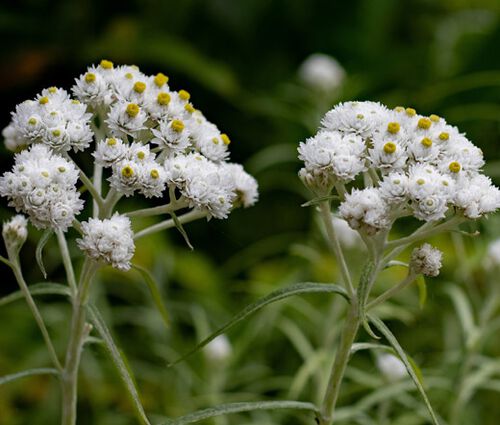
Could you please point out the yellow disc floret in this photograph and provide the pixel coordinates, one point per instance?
(411, 112)
(127, 171)
(132, 110)
(177, 125)
(52, 90)
(424, 123)
(434, 118)
(45, 173)
(444, 136)
(420, 182)
(160, 79)
(43, 100)
(225, 139)
(89, 77)
(399, 109)
(189, 108)
(390, 147)
(154, 174)
(139, 87)
(426, 142)
(141, 155)
(393, 127)
(454, 167)
(61, 169)
(360, 116)
(32, 121)
(56, 133)
(106, 64)
(129, 76)
(163, 98)
(111, 141)
(184, 95)
(215, 141)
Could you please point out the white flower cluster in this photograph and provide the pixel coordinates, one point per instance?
(15, 232)
(109, 240)
(52, 118)
(426, 260)
(42, 184)
(410, 164)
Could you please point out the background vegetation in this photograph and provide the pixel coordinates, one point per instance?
(239, 59)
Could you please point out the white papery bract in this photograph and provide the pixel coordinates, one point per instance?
(15, 232)
(410, 164)
(109, 240)
(426, 260)
(42, 185)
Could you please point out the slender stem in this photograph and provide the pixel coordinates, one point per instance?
(16, 268)
(326, 215)
(98, 188)
(109, 203)
(167, 224)
(392, 291)
(162, 209)
(78, 333)
(68, 265)
(347, 338)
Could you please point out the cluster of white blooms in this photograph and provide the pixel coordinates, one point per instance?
(42, 184)
(52, 118)
(322, 72)
(15, 232)
(109, 240)
(391, 367)
(426, 260)
(409, 164)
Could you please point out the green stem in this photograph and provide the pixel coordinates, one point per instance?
(16, 268)
(162, 209)
(347, 338)
(334, 243)
(78, 333)
(68, 265)
(167, 224)
(98, 188)
(391, 292)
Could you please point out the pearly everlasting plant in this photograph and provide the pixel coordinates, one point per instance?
(144, 139)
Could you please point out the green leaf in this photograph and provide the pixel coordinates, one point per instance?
(155, 292)
(39, 250)
(463, 309)
(364, 287)
(44, 288)
(422, 290)
(415, 374)
(180, 228)
(30, 372)
(319, 200)
(278, 295)
(226, 409)
(359, 346)
(119, 361)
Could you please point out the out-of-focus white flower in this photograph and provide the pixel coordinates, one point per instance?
(426, 260)
(15, 232)
(322, 72)
(245, 186)
(347, 237)
(493, 254)
(391, 367)
(219, 349)
(109, 240)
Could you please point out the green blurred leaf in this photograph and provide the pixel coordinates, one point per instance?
(463, 309)
(155, 292)
(39, 250)
(30, 372)
(226, 409)
(120, 362)
(422, 290)
(44, 288)
(415, 374)
(278, 295)
(180, 228)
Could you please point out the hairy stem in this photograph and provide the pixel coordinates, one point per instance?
(79, 330)
(167, 224)
(68, 265)
(326, 215)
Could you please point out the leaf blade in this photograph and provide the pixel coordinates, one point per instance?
(119, 361)
(44, 288)
(278, 295)
(39, 250)
(25, 373)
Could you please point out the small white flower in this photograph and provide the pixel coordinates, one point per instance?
(126, 118)
(347, 236)
(426, 260)
(110, 151)
(109, 240)
(13, 141)
(244, 184)
(15, 232)
(322, 72)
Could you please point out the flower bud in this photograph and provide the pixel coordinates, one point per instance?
(219, 349)
(15, 233)
(426, 260)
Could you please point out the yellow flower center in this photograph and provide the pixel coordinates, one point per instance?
(89, 77)
(160, 79)
(420, 182)
(225, 139)
(43, 100)
(56, 133)
(390, 147)
(177, 125)
(52, 90)
(360, 116)
(399, 109)
(132, 110)
(424, 123)
(129, 76)
(215, 141)
(455, 167)
(163, 98)
(444, 136)
(106, 64)
(155, 174)
(127, 171)
(111, 142)
(189, 108)
(141, 155)
(434, 118)
(32, 121)
(393, 127)
(426, 142)
(62, 169)
(139, 87)
(45, 173)
(184, 95)
(411, 112)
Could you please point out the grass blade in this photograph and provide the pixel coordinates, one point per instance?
(119, 361)
(30, 372)
(278, 295)
(39, 250)
(44, 288)
(410, 365)
(226, 409)
(155, 292)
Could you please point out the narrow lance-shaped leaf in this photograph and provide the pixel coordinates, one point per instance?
(30, 372)
(364, 287)
(180, 228)
(39, 250)
(463, 309)
(410, 367)
(278, 295)
(226, 409)
(155, 292)
(119, 361)
(44, 288)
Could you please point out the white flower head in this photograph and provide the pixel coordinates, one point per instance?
(126, 118)
(110, 151)
(109, 240)
(15, 232)
(322, 72)
(426, 260)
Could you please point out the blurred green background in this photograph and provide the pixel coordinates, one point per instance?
(239, 60)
